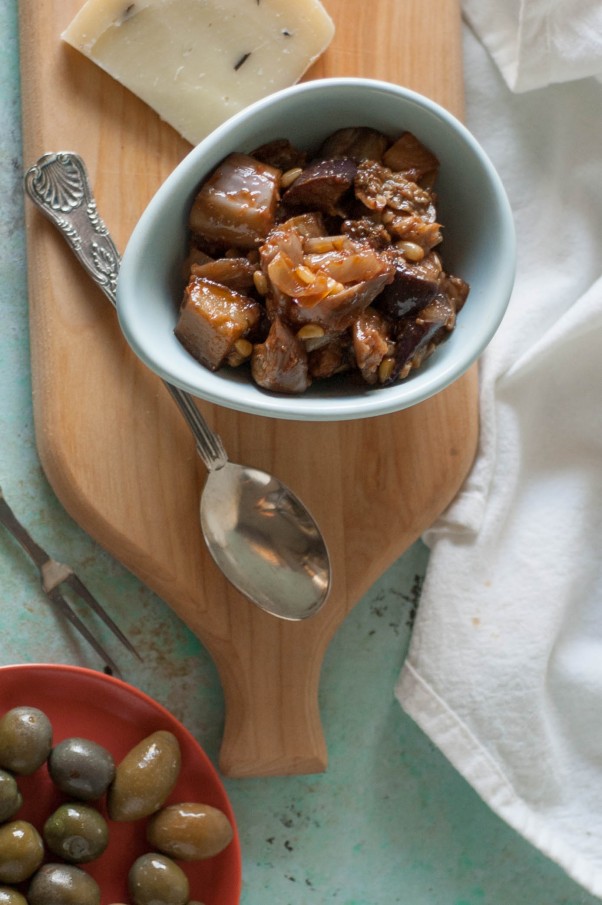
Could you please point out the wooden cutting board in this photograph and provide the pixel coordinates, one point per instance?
(114, 447)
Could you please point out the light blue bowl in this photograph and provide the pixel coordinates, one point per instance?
(479, 245)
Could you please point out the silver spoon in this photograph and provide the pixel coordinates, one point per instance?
(258, 532)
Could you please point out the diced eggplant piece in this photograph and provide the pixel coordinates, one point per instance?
(237, 273)
(412, 339)
(322, 186)
(416, 338)
(236, 206)
(307, 226)
(416, 228)
(333, 357)
(413, 287)
(281, 154)
(280, 363)
(379, 187)
(441, 311)
(196, 256)
(409, 155)
(366, 230)
(456, 290)
(359, 143)
(212, 319)
(277, 305)
(370, 342)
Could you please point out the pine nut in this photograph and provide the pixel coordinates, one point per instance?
(289, 177)
(243, 347)
(310, 331)
(411, 250)
(261, 282)
(385, 369)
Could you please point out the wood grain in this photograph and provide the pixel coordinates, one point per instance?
(114, 447)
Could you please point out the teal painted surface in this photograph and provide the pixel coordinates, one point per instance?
(390, 821)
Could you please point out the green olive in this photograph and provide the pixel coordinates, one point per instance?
(21, 851)
(155, 879)
(145, 777)
(189, 831)
(63, 884)
(11, 897)
(81, 768)
(10, 797)
(76, 832)
(25, 739)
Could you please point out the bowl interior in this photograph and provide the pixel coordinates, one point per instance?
(478, 245)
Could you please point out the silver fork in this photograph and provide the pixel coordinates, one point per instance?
(53, 575)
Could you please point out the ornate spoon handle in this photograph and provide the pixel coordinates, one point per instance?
(58, 184)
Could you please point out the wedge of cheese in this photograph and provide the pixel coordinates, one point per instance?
(196, 62)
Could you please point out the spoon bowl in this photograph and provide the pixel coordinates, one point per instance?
(257, 530)
(265, 541)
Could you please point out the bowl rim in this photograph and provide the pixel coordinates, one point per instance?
(368, 402)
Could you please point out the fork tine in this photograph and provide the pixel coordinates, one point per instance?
(52, 575)
(77, 585)
(57, 599)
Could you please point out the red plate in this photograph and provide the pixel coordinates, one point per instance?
(81, 702)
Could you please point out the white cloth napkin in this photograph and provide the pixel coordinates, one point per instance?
(504, 671)
(538, 42)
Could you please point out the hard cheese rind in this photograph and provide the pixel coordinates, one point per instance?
(196, 62)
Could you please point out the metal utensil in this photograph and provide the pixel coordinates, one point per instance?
(258, 532)
(53, 575)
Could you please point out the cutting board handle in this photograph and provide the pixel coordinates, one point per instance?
(270, 683)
